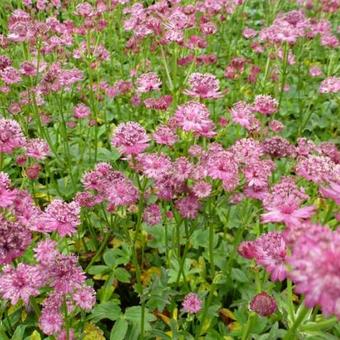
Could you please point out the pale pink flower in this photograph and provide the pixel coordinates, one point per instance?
(164, 135)
(20, 283)
(81, 111)
(130, 138)
(148, 82)
(152, 215)
(330, 85)
(265, 105)
(11, 136)
(85, 298)
(188, 207)
(37, 148)
(192, 303)
(332, 192)
(204, 86)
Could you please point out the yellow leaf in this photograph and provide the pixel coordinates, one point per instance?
(163, 317)
(175, 314)
(23, 315)
(93, 332)
(35, 336)
(147, 274)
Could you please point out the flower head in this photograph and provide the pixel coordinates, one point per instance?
(204, 86)
(130, 138)
(263, 304)
(192, 303)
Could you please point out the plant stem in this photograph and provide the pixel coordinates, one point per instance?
(301, 316)
(247, 329)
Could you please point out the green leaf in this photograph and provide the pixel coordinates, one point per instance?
(107, 310)
(94, 270)
(115, 257)
(239, 275)
(19, 333)
(122, 275)
(119, 329)
(134, 314)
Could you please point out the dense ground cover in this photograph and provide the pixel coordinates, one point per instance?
(169, 170)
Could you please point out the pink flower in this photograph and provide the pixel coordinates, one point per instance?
(37, 148)
(269, 251)
(154, 165)
(10, 75)
(263, 304)
(332, 192)
(161, 103)
(130, 138)
(7, 196)
(14, 240)
(330, 85)
(194, 117)
(85, 298)
(265, 105)
(51, 321)
(315, 71)
(164, 135)
(204, 86)
(288, 213)
(192, 303)
(188, 207)
(202, 189)
(121, 192)
(46, 252)
(148, 82)
(315, 269)
(249, 33)
(81, 111)
(152, 215)
(278, 147)
(61, 217)
(11, 136)
(20, 283)
(242, 113)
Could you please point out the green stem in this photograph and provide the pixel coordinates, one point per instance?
(247, 329)
(301, 316)
(284, 71)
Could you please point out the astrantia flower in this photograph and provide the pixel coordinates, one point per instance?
(204, 86)
(316, 269)
(10, 75)
(242, 113)
(37, 148)
(278, 147)
(7, 195)
(21, 282)
(192, 303)
(332, 192)
(188, 207)
(154, 165)
(61, 217)
(330, 85)
(51, 321)
(148, 82)
(202, 189)
(152, 215)
(288, 212)
(85, 298)
(81, 111)
(161, 103)
(194, 117)
(265, 105)
(11, 136)
(263, 304)
(130, 138)
(269, 251)
(46, 252)
(164, 135)
(14, 239)
(121, 192)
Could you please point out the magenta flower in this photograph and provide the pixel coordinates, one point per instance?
(81, 111)
(265, 105)
(152, 215)
(263, 304)
(330, 85)
(288, 213)
(51, 321)
(148, 82)
(61, 217)
(332, 192)
(37, 148)
(315, 269)
(188, 207)
(7, 195)
(194, 117)
(130, 138)
(269, 251)
(204, 86)
(154, 165)
(202, 189)
(192, 303)
(85, 298)
(14, 240)
(11, 136)
(164, 135)
(20, 283)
